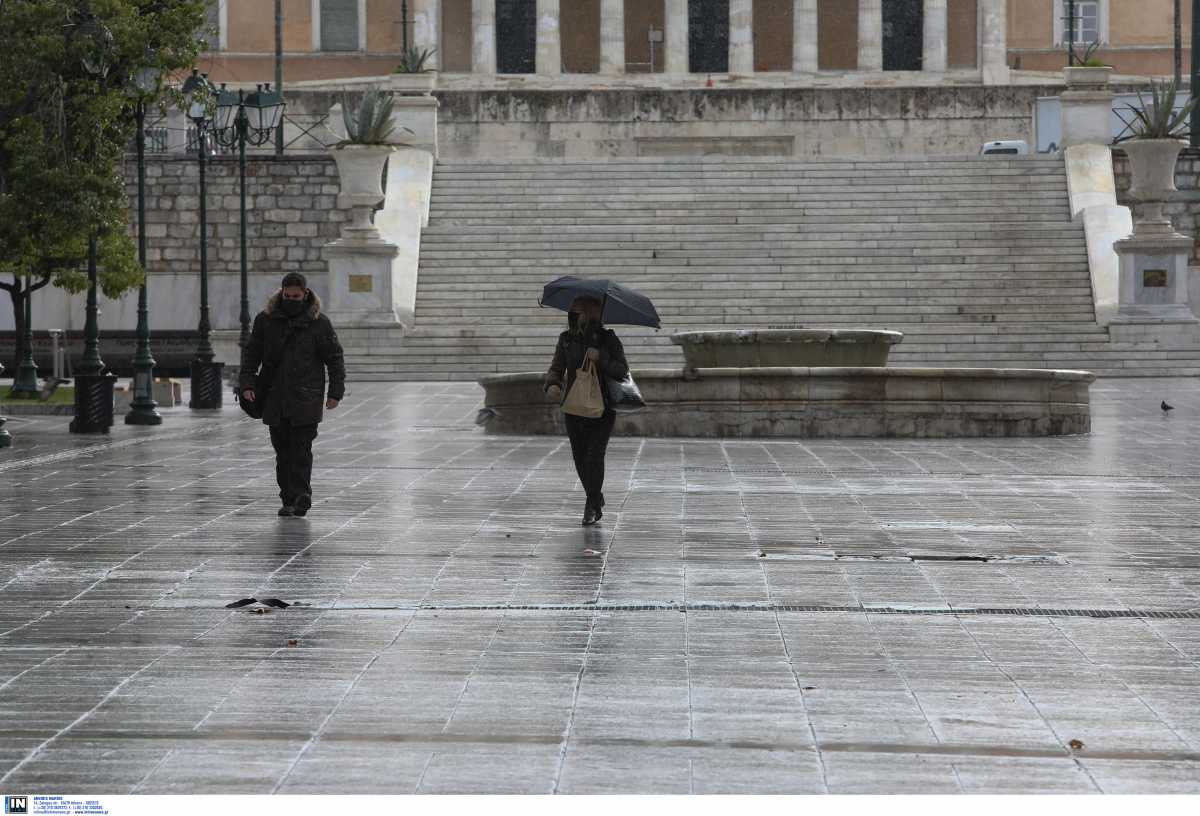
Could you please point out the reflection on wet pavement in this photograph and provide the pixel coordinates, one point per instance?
(751, 616)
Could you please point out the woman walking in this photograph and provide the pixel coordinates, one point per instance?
(586, 338)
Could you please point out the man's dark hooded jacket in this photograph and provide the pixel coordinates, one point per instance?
(294, 353)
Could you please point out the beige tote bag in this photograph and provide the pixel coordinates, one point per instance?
(585, 398)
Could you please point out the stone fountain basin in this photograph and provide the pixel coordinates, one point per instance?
(821, 402)
(756, 348)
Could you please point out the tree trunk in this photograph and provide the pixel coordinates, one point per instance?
(17, 294)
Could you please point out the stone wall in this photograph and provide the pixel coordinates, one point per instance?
(292, 212)
(1184, 208)
(291, 205)
(801, 122)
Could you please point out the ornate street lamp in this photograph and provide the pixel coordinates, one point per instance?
(93, 384)
(143, 411)
(243, 120)
(206, 374)
(25, 383)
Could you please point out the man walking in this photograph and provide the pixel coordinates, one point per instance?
(293, 343)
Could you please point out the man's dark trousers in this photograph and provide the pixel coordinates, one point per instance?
(589, 441)
(293, 459)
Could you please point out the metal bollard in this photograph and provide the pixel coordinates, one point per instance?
(58, 353)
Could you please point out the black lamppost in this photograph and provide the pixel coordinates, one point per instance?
(206, 374)
(25, 382)
(404, 25)
(142, 409)
(243, 120)
(1070, 32)
(93, 384)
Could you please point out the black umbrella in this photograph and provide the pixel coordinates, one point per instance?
(622, 306)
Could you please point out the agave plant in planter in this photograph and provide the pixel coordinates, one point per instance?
(1153, 150)
(361, 157)
(1088, 71)
(412, 74)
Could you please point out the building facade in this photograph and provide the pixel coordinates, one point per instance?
(333, 39)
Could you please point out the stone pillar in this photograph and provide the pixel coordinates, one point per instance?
(612, 36)
(804, 37)
(741, 36)
(1086, 107)
(676, 58)
(935, 53)
(870, 35)
(549, 41)
(994, 56)
(483, 26)
(426, 30)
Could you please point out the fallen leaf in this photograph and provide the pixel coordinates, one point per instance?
(292, 642)
(1075, 744)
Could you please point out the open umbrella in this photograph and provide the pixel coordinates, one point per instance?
(622, 306)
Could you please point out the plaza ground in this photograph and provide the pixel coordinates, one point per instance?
(871, 616)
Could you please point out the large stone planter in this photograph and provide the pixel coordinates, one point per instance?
(1081, 78)
(412, 84)
(786, 347)
(361, 170)
(1152, 171)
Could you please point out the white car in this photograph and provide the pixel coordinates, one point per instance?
(1010, 147)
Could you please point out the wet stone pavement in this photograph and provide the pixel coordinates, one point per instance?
(774, 617)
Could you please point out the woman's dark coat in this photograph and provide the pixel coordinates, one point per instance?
(294, 353)
(570, 351)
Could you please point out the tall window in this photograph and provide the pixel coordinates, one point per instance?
(516, 36)
(1091, 23)
(708, 36)
(210, 35)
(339, 25)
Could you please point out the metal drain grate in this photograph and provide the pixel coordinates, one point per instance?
(1157, 614)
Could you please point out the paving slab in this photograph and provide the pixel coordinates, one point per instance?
(784, 616)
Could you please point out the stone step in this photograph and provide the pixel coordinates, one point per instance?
(977, 261)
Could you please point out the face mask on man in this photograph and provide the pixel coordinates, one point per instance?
(291, 308)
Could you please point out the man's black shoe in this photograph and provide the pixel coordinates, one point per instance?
(287, 510)
(302, 505)
(590, 517)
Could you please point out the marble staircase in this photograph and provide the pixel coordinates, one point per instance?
(976, 260)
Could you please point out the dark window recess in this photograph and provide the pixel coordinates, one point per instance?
(339, 25)
(903, 38)
(708, 36)
(516, 36)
